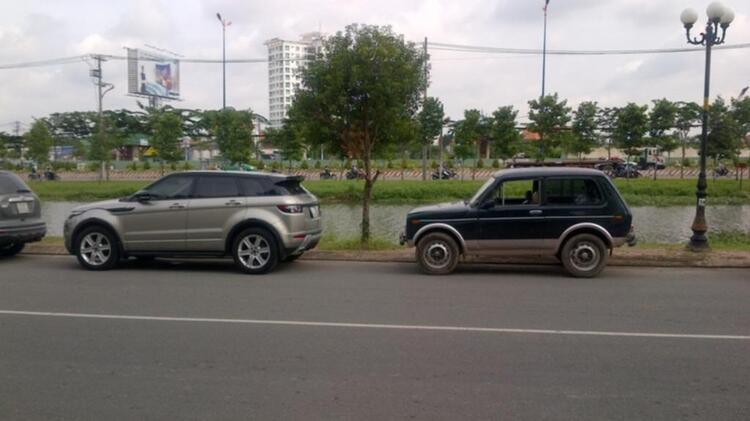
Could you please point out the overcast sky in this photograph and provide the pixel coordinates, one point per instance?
(33, 30)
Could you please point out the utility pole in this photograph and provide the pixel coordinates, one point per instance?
(224, 24)
(97, 74)
(424, 104)
(544, 77)
(17, 132)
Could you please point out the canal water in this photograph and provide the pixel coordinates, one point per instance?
(652, 224)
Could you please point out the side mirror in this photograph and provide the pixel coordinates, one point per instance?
(489, 204)
(142, 197)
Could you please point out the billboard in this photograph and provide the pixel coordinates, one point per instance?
(152, 75)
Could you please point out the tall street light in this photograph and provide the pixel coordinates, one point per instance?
(544, 74)
(719, 17)
(224, 24)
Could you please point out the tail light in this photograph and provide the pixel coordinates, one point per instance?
(290, 208)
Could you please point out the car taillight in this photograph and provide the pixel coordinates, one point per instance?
(290, 208)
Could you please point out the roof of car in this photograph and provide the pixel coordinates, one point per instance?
(241, 173)
(546, 172)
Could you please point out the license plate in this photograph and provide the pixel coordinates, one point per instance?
(314, 211)
(23, 207)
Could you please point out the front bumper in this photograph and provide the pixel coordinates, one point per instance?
(25, 234)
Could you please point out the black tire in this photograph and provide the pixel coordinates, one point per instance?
(437, 254)
(584, 255)
(292, 257)
(97, 249)
(11, 249)
(255, 251)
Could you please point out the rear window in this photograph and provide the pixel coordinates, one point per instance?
(11, 183)
(288, 188)
(572, 191)
(209, 187)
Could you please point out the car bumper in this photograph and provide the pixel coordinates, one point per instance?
(631, 240)
(25, 234)
(305, 242)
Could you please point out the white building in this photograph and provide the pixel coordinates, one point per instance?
(285, 61)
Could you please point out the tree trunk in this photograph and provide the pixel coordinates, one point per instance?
(424, 162)
(682, 163)
(366, 197)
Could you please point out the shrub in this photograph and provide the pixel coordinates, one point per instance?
(480, 163)
(133, 166)
(433, 165)
(317, 165)
(389, 165)
(686, 163)
(173, 166)
(146, 165)
(186, 166)
(261, 165)
(496, 164)
(304, 165)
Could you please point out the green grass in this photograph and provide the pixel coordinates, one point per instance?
(640, 192)
(332, 243)
(720, 241)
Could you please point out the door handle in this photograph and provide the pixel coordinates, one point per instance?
(535, 212)
(177, 206)
(232, 203)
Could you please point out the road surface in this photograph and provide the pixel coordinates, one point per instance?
(335, 340)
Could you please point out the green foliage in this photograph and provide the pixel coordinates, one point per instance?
(585, 135)
(233, 131)
(304, 165)
(166, 130)
(630, 128)
(317, 165)
(467, 134)
(503, 134)
(146, 165)
(495, 164)
(38, 141)
(548, 117)
(133, 166)
(287, 141)
(186, 166)
(662, 120)
(724, 136)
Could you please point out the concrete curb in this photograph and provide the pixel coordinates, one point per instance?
(621, 257)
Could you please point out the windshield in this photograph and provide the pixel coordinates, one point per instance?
(481, 190)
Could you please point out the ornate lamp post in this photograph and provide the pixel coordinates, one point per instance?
(719, 18)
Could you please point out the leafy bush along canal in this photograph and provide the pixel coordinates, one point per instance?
(652, 224)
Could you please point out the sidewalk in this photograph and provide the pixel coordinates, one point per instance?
(621, 257)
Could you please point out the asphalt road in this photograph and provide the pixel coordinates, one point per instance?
(334, 340)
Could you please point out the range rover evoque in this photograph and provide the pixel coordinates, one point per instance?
(574, 214)
(257, 218)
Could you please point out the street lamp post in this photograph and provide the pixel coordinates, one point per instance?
(224, 24)
(719, 17)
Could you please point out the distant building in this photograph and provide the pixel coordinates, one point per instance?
(285, 62)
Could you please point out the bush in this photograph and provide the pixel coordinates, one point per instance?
(389, 165)
(132, 166)
(186, 166)
(433, 165)
(480, 164)
(146, 165)
(404, 164)
(496, 164)
(317, 165)
(94, 166)
(686, 163)
(261, 165)
(275, 165)
(304, 165)
(173, 166)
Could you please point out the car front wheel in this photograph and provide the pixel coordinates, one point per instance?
(255, 251)
(584, 255)
(437, 254)
(11, 249)
(97, 249)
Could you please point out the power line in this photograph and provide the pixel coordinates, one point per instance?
(529, 51)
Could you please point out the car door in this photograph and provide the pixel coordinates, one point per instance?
(573, 200)
(159, 223)
(214, 209)
(511, 218)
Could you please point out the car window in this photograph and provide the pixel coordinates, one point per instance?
(211, 186)
(572, 191)
(523, 192)
(10, 183)
(252, 187)
(172, 187)
(286, 188)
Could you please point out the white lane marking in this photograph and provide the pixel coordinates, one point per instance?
(376, 326)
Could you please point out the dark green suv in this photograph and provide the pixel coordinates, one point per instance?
(574, 214)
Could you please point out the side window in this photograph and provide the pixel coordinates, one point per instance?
(252, 187)
(572, 192)
(213, 186)
(172, 187)
(517, 193)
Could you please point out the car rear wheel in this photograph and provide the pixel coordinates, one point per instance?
(584, 255)
(437, 254)
(11, 249)
(255, 251)
(97, 249)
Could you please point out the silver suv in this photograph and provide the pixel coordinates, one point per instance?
(257, 218)
(20, 215)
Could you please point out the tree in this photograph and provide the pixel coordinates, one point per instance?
(662, 120)
(356, 93)
(233, 130)
(724, 136)
(584, 134)
(430, 120)
(468, 135)
(688, 115)
(39, 141)
(166, 129)
(548, 117)
(605, 119)
(291, 146)
(630, 128)
(503, 134)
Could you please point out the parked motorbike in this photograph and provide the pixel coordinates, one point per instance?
(326, 174)
(623, 170)
(445, 174)
(721, 171)
(355, 173)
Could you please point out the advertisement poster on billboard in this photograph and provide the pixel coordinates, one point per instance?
(151, 75)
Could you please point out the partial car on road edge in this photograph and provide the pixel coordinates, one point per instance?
(20, 215)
